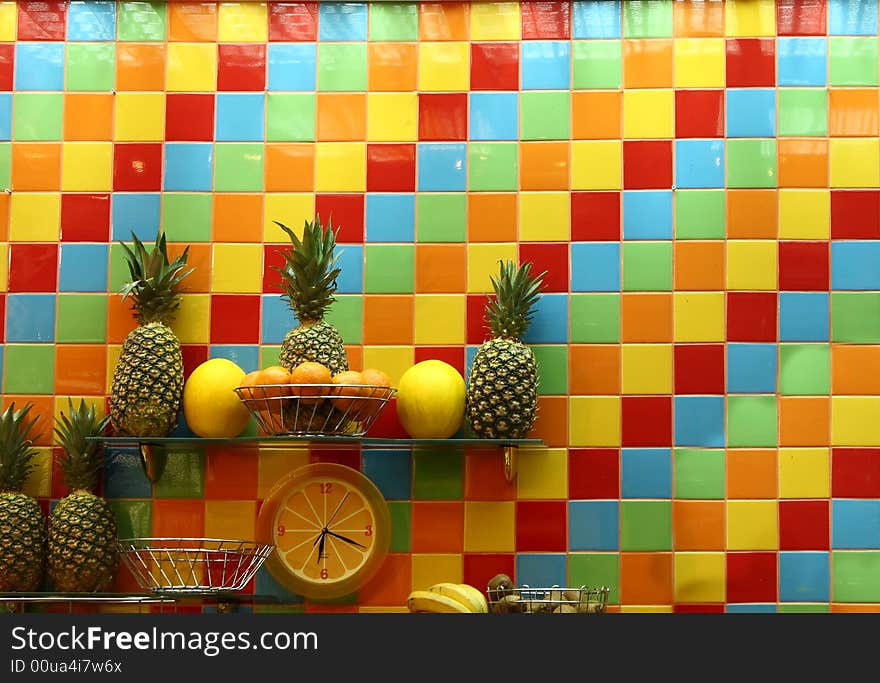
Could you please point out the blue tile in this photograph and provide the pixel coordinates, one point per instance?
(265, 584)
(699, 163)
(390, 471)
(854, 265)
(647, 215)
(855, 523)
(596, 19)
(277, 319)
(442, 167)
(545, 65)
(391, 218)
(751, 368)
(595, 266)
(699, 421)
(6, 116)
(351, 261)
(245, 356)
(804, 577)
(342, 21)
(124, 475)
(91, 21)
(470, 353)
(751, 608)
(802, 61)
(852, 18)
(291, 66)
(138, 212)
(39, 66)
(646, 473)
(550, 324)
(30, 317)
(542, 570)
(240, 117)
(803, 316)
(189, 166)
(593, 524)
(83, 268)
(751, 112)
(494, 116)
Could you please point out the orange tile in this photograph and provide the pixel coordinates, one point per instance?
(543, 165)
(36, 166)
(594, 369)
(751, 214)
(80, 369)
(388, 319)
(192, 22)
(855, 369)
(140, 66)
(5, 200)
(43, 409)
(484, 477)
(698, 524)
(699, 265)
(552, 422)
(88, 116)
(646, 317)
(443, 21)
(290, 167)
(441, 268)
(492, 217)
(355, 355)
(238, 217)
(342, 116)
(232, 473)
(596, 115)
(120, 319)
(392, 66)
(751, 473)
(804, 421)
(437, 527)
(645, 578)
(178, 517)
(200, 259)
(854, 608)
(698, 18)
(853, 112)
(392, 583)
(647, 63)
(803, 162)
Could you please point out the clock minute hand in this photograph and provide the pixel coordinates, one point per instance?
(321, 544)
(347, 540)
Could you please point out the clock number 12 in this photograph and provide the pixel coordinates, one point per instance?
(326, 488)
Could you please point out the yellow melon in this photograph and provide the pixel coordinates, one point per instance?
(211, 408)
(430, 400)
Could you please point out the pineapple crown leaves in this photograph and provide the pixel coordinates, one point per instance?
(16, 454)
(308, 276)
(517, 291)
(81, 460)
(154, 280)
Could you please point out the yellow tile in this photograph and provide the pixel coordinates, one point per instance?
(87, 167)
(34, 217)
(440, 319)
(39, 481)
(8, 21)
(113, 352)
(394, 360)
(400, 609)
(698, 316)
(542, 473)
(482, 263)
(646, 369)
(596, 165)
(752, 525)
(432, 568)
(750, 18)
(237, 268)
(140, 116)
(231, 519)
(62, 406)
(489, 527)
(700, 63)
(544, 216)
(594, 421)
(804, 214)
(855, 420)
(495, 21)
(4, 266)
(646, 609)
(274, 465)
(340, 167)
(804, 473)
(648, 113)
(751, 264)
(854, 162)
(242, 22)
(192, 67)
(699, 577)
(444, 66)
(291, 209)
(193, 322)
(392, 117)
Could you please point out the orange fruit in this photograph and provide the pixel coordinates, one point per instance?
(349, 381)
(273, 375)
(375, 378)
(310, 373)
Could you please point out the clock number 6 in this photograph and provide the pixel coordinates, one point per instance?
(324, 573)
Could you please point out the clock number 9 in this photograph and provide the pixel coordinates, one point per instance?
(324, 573)
(326, 488)
(368, 530)
(281, 529)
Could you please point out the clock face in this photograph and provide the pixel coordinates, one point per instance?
(331, 530)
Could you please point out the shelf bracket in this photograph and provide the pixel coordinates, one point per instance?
(153, 461)
(510, 462)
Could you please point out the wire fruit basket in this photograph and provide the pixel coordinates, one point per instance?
(553, 600)
(193, 564)
(315, 409)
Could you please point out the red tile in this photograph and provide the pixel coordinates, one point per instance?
(193, 356)
(7, 65)
(85, 217)
(494, 66)
(803, 266)
(546, 20)
(339, 456)
(803, 525)
(541, 526)
(484, 478)
(235, 319)
(646, 420)
(595, 216)
(137, 167)
(552, 258)
(855, 472)
(698, 608)
(855, 214)
(454, 355)
(189, 117)
(751, 577)
(477, 327)
(178, 518)
(241, 67)
(699, 113)
(391, 168)
(443, 116)
(751, 316)
(272, 258)
(41, 20)
(751, 62)
(647, 164)
(480, 568)
(593, 473)
(293, 21)
(33, 267)
(387, 425)
(347, 213)
(699, 368)
(231, 473)
(800, 17)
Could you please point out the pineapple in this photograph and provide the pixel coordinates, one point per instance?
(22, 526)
(502, 397)
(82, 527)
(308, 279)
(147, 388)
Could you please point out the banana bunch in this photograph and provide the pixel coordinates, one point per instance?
(448, 598)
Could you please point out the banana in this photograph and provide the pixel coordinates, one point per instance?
(430, 601)
(459, 593)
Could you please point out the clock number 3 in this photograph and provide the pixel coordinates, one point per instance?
(368, 530)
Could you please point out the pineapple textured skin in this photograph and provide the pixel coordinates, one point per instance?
(319, 343)
(22, 543)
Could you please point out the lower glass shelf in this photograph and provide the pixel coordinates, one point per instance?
(16, 602)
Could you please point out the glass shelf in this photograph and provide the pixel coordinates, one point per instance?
(15, 602)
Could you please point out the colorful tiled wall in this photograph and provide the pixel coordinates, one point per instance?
(701, 180)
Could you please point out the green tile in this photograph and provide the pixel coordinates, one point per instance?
(342, 66)
(803, 112)
(552, 369)
(119, 273)
(290, 117)
(134, 518)
(183, 476)
(805, 369)
(545, 115)
(596, 64)
(5, 165)
(438, 475)
(37, 116)
(855, 576)
(389, 268)
(347, 314)
(647, 19)
(595, 318)
(493, 166)
(595, 570)
(391, 21)
(269, 355)
(854, 317)
(82, 318)
(751, 421)
(852, 61)
(699, 474)
(401, 525)
(645, 525)
(441, 217)
(186, 216)
(29, 369)
(91, 66)
(238, 167)
(141, 21)
(803, 608)
(751, 163)
(647, 266)
(699, 214)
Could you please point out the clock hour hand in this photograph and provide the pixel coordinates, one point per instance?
(321, 544)
(347, 540)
